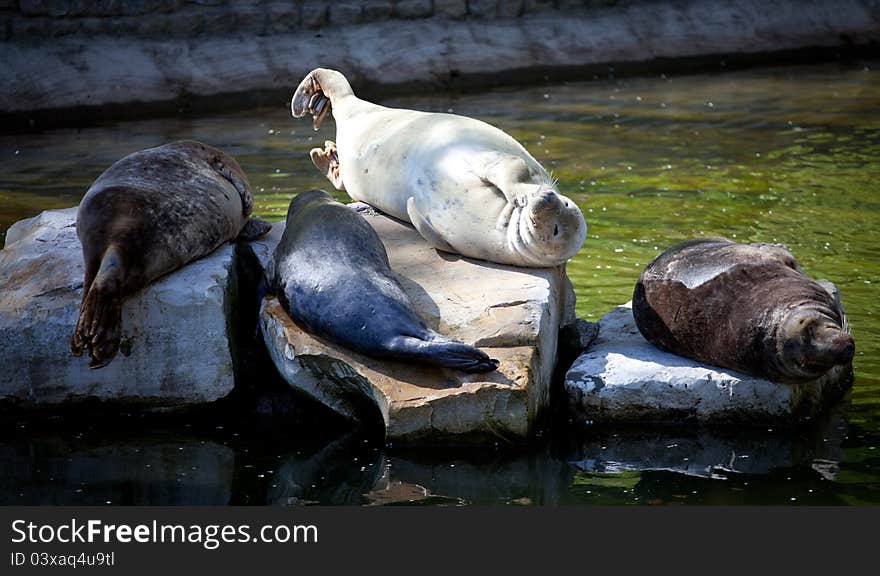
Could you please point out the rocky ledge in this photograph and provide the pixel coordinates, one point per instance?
(622, 377)
(176, 346)
(513, 314)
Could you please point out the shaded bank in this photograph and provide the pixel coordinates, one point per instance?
(73, 68)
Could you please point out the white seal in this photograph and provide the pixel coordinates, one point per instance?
(466, 186)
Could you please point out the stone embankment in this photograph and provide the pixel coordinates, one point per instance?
(108, 58)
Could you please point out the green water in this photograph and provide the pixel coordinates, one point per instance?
(788, 155)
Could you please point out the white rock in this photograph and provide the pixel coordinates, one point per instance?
(624, 378)
(513, 314)
(175, 349)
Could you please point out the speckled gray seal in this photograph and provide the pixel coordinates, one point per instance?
(742, 306)
(332, 276)
(147, 215)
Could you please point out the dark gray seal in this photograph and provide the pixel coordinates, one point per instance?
(332, 276)
(742, 306)
(147, 215)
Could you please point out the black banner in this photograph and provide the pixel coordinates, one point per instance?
(393, 540)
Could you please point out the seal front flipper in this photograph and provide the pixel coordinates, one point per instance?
(425, 229)
(505, 173)
(238, 182)
(835, 294)
(253, 229)
(829, 287)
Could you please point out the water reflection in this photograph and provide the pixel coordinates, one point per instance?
(341, 472)
(259, 467)
(141, 471)
(717, 455)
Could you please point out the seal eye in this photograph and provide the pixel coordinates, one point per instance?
(556, 230)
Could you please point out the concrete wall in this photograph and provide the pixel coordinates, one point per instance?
(100, 56)
(40, 19)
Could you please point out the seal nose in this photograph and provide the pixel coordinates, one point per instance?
(848, 351)
(836, 346)
(543, 201)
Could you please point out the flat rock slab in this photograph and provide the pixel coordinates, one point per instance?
(624, 378)
(513, 314)
(175, 348)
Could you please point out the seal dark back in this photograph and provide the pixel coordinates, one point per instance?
(719, 302)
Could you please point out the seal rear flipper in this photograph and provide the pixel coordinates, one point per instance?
(104, 344)
(97, 328)
(425, 229)
(466, 358)
(310, 97)
(253, 229)
(92, 264)
(444, 352)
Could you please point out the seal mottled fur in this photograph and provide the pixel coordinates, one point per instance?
(747, 307)
(466, 186)
(147, 215)
(332, 276)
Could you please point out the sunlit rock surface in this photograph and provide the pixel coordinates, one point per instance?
(175, 347)
(621, 377)
(512, 314)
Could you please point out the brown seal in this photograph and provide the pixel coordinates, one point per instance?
(747, 307)
(147, 215)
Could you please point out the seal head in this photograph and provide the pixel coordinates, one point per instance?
(546, 227)
(810, 341)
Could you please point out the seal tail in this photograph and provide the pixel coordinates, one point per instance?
(97, 328)
(446, 352)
